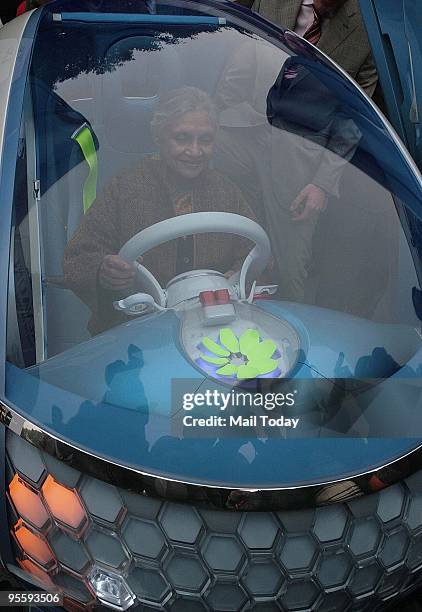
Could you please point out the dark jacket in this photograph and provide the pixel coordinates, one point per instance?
(344, 38)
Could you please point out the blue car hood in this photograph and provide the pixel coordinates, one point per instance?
(113, 397)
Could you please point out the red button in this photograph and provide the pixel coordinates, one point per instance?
(222, 296)
(207, 298)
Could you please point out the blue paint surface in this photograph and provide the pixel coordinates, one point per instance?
(113, 398)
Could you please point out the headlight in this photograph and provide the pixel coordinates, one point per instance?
(111, 588)
(68, 530)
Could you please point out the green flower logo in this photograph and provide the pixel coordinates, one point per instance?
(241, 357)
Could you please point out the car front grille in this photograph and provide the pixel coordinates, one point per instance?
(101, 545)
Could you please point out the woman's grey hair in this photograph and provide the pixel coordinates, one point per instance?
(178, 102)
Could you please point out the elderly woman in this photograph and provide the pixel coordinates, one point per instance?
(177, 181)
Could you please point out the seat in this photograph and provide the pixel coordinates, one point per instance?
(129, 97)
(118, 104)
(120, 120)
(62, 173)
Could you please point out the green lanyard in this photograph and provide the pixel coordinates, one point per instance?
(83, 137)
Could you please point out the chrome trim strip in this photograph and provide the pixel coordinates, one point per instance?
(206, 495)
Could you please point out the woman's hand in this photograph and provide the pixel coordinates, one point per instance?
(229, 273)
(115, 273)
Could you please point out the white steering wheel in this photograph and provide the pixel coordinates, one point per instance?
(198, 223)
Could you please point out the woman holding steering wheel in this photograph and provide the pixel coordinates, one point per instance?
(177, 181)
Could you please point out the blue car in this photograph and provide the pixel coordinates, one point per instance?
(211, 312)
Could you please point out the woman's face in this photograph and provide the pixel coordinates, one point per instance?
(188, 144)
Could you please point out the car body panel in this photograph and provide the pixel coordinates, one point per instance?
(16, 41)
(10, 40)
(109, 384)
(76, 403)
(105, 408)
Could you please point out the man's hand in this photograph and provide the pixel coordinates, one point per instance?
(115, 273)
(310, 202)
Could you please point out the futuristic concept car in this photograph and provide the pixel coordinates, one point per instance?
(210, 394)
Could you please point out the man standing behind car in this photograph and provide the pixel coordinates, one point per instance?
(334, 26)
(337, 28)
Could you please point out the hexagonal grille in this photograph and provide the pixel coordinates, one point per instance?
(68, 527)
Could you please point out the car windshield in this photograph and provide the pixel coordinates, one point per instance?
(203, 204)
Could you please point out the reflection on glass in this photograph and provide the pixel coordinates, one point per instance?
(141, 127)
